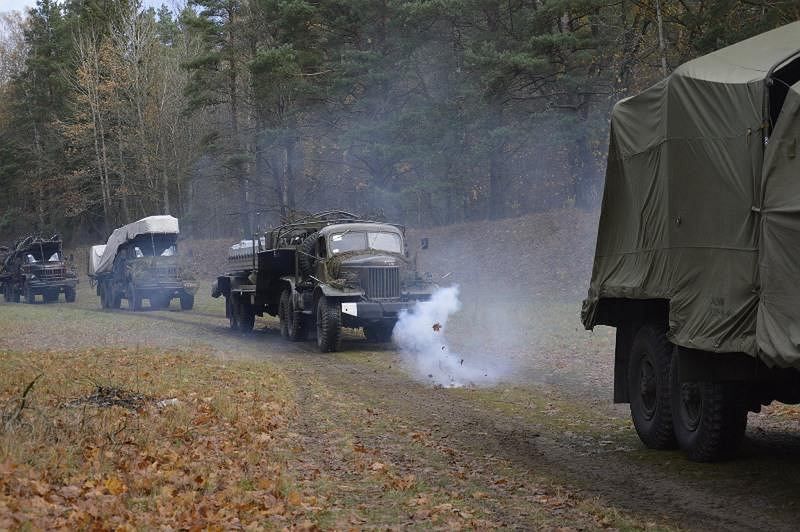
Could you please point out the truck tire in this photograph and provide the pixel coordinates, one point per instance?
(70, 294)
(379, 332)
(293, 326)
(102, 291)
(134, 298)
(114, 297)
(30, 297)
(187, 301)
(247, 317)
(305, 255)
(50, 297)
(329, 325)
(649, 387)
(710, 418)
(232, 311)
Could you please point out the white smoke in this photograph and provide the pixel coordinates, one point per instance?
(421, 335)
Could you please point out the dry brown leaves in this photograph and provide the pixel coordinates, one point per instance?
(208, 461)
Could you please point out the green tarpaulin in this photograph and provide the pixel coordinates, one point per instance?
(702, 201)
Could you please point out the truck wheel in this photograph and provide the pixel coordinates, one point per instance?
(114, 298)
(232, 311)
(187, 301)
(329, 325)
(30, 297)
(70, 294)
(379, 332)
(247, 317)
(134, 298)
(50, 297)
(102, 293)
(293, 326)
(649, 387)
(710, 417)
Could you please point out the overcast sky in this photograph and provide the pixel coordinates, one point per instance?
(20, 5)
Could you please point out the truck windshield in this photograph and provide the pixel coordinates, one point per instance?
(360, 241)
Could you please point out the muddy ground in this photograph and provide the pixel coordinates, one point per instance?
(542, 447)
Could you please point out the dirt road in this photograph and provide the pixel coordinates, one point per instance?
(541, 449)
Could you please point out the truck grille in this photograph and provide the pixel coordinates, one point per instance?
(382, 283)
(50, 274)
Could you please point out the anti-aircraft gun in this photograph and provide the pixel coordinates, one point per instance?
(35, 266)
(140, 261)
(323, 272)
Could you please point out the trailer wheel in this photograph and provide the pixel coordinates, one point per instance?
(329, 325)
(293, 327)
(710, 417)
(649, 387)
(187, 301)
(70, 294)
(379, 332)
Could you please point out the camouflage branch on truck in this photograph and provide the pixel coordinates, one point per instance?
(321, 273)
(35, 266)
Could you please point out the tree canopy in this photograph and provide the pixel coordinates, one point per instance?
(233, 114)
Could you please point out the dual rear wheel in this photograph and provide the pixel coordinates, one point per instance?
(707, 420)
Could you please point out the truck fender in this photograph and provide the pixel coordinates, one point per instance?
(330, 291)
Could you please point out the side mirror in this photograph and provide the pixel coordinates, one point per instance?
(423, 244)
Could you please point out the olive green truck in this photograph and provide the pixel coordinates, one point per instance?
(697, 262)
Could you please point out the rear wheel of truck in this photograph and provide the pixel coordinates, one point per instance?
(379, 332)
(247, 317)
(293, 327)
(710, 418)
(187, 301)
(329, 325)
(70, 294)
(649, 387)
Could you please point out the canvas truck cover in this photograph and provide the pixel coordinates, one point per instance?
(702, 201)
(163, 224)
(95, 254)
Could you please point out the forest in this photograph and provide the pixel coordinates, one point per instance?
(235, 114)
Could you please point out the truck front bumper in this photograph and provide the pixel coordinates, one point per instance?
(52, 284)
(376, 310)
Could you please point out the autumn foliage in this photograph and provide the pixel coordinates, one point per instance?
(206, 459)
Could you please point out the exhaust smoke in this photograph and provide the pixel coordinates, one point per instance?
(420, 334)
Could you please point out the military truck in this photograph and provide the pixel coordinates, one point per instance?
(698, 251)
(140, 261)
(35, 266)
(321, 273)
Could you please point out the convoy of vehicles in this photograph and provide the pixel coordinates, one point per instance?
(321, 273)
(35, 266)
(698, 248)
(140, 262)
